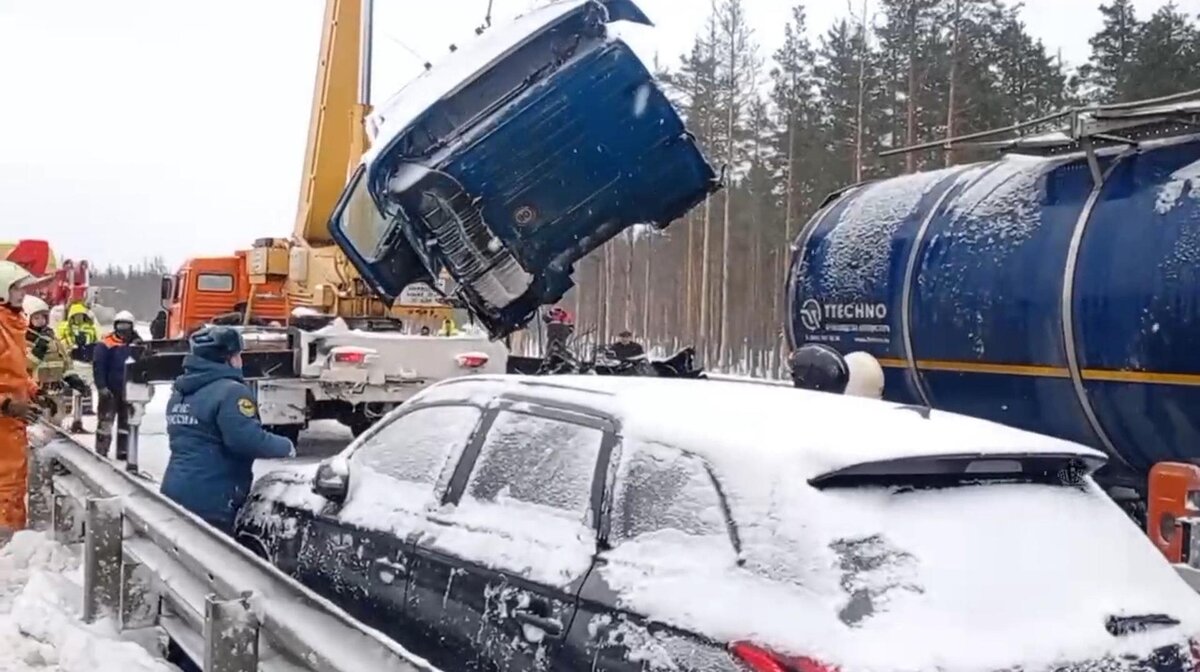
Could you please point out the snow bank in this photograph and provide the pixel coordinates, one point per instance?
(40, 597)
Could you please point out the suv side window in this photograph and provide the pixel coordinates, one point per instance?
(660, 488)
(413, 449)
(544, 462)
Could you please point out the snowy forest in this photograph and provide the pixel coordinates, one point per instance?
(134, 288)
(794, 125)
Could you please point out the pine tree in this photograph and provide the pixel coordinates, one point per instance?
(1167, 55)
(838, 71)
(737, 70)
(913, 34)
(1109, 76)
(798, 142)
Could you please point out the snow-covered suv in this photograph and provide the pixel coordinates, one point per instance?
(601, 523)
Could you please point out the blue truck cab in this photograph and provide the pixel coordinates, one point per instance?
(515, 158)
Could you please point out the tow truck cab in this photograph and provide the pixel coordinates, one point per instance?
(515, 158)
(205, 287)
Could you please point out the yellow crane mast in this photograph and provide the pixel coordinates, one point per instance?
(276, 275)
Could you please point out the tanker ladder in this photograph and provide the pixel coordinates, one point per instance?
(150, 564)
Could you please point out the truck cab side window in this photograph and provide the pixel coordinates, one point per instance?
(214, 282)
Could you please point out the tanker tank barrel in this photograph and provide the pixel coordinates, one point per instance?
(1033, 290)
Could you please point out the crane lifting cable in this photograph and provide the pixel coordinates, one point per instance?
(487, 19)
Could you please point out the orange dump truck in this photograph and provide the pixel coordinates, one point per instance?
(206, 287)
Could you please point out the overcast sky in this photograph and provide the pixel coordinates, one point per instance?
(134, 128)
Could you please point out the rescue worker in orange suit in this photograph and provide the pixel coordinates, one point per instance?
(108, 370)
(18, 399)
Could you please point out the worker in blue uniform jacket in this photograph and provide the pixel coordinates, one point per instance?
(108, 372)
(214, 431)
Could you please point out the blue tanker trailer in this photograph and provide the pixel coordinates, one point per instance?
(1056, 289)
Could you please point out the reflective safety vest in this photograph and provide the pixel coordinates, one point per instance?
(69, 330)
(54, 361)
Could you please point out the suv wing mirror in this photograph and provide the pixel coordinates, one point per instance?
(331, 480)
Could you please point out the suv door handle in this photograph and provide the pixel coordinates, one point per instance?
(383, 567)
(551, 626)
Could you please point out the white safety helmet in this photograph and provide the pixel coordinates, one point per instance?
(33, 305)
(12, 276)
(866, 376)
(123, 316)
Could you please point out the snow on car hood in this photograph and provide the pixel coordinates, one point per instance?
(459, 67)
(968, 579)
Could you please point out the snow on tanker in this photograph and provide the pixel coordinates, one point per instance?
(1056, 289)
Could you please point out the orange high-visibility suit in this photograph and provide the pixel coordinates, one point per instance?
(16, 383)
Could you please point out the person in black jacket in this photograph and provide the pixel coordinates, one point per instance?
(626, 349)
(158, 328)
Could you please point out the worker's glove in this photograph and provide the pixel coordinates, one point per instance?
(81, 340)
(17, 408)
(76, 383)
(47, 402)
(292, 452)
(40, 348)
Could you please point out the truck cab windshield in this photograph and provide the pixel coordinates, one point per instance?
(359, 219)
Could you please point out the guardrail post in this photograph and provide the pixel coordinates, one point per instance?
(101, 557)
(41, 492)
(67, 527)
(230, 635)
(76, 410)
(139, 599)
(136, 411)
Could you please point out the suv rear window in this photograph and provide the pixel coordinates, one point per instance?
(660, 488)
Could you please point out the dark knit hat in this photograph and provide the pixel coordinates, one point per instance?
(216, 344)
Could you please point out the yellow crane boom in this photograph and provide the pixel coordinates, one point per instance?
(341, 102)
(277, 275)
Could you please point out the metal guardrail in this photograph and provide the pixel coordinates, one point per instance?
(149, 562)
